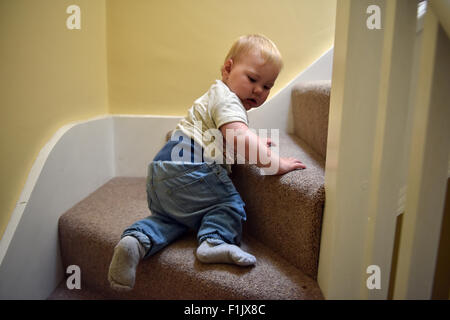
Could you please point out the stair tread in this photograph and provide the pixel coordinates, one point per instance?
(63, 293)
(90, 230)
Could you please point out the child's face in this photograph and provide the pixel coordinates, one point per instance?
(251, 78)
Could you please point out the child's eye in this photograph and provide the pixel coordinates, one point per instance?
(267, 87)
(251, 79)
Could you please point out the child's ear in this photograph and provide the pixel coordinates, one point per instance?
(226, 69)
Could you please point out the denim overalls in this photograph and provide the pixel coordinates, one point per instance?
(188, 195)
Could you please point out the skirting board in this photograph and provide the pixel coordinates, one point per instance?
(79, 159)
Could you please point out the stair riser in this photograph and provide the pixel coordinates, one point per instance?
(310, 108)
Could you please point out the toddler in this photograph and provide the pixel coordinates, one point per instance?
(186, 188)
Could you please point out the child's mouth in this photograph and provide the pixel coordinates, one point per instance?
(252, 101)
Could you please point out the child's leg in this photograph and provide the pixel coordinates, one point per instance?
(218, 235)
(203, 197)
(141, 240)
(221, 228)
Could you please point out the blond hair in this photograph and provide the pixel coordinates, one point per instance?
(268, 50)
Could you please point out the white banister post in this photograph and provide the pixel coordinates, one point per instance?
(388, 167)
(350, 144)
(428, 167)
(369, 105)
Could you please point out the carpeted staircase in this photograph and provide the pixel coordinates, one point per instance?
(284, 217)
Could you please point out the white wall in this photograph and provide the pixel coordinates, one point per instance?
(137, 140)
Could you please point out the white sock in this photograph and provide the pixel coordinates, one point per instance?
(224, 253)
(122, 270)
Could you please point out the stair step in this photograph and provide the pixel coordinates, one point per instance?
(285, 212)
(90, 230)
(310, 107)
(63, 293)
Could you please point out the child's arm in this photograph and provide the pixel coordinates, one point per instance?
(255, 145)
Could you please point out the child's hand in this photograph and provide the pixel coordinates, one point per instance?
(289, 164)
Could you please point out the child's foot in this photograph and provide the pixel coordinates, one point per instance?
(122, 270)
(224, 253)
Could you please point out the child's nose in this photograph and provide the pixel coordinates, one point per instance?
(257, 89)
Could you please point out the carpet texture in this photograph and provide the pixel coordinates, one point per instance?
(285, 212)
(90, 230)
(284, 218)
(311, 103)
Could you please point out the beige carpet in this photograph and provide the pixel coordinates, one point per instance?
(90, 230)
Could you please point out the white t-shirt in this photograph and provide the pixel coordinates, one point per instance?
(215, 108)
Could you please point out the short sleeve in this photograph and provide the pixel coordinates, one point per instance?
(225, 107)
